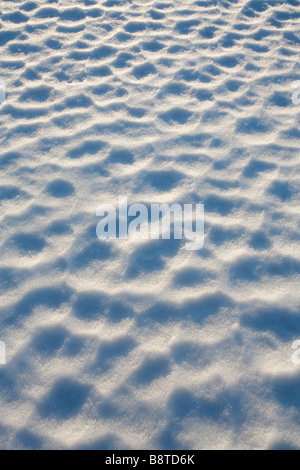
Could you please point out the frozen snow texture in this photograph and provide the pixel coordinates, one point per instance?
(143, 345)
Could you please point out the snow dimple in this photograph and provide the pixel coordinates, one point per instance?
(163, 102)
(65, 400)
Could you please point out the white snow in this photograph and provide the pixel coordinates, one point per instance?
(131, 344)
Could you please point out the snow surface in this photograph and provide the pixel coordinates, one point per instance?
(142, 344)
